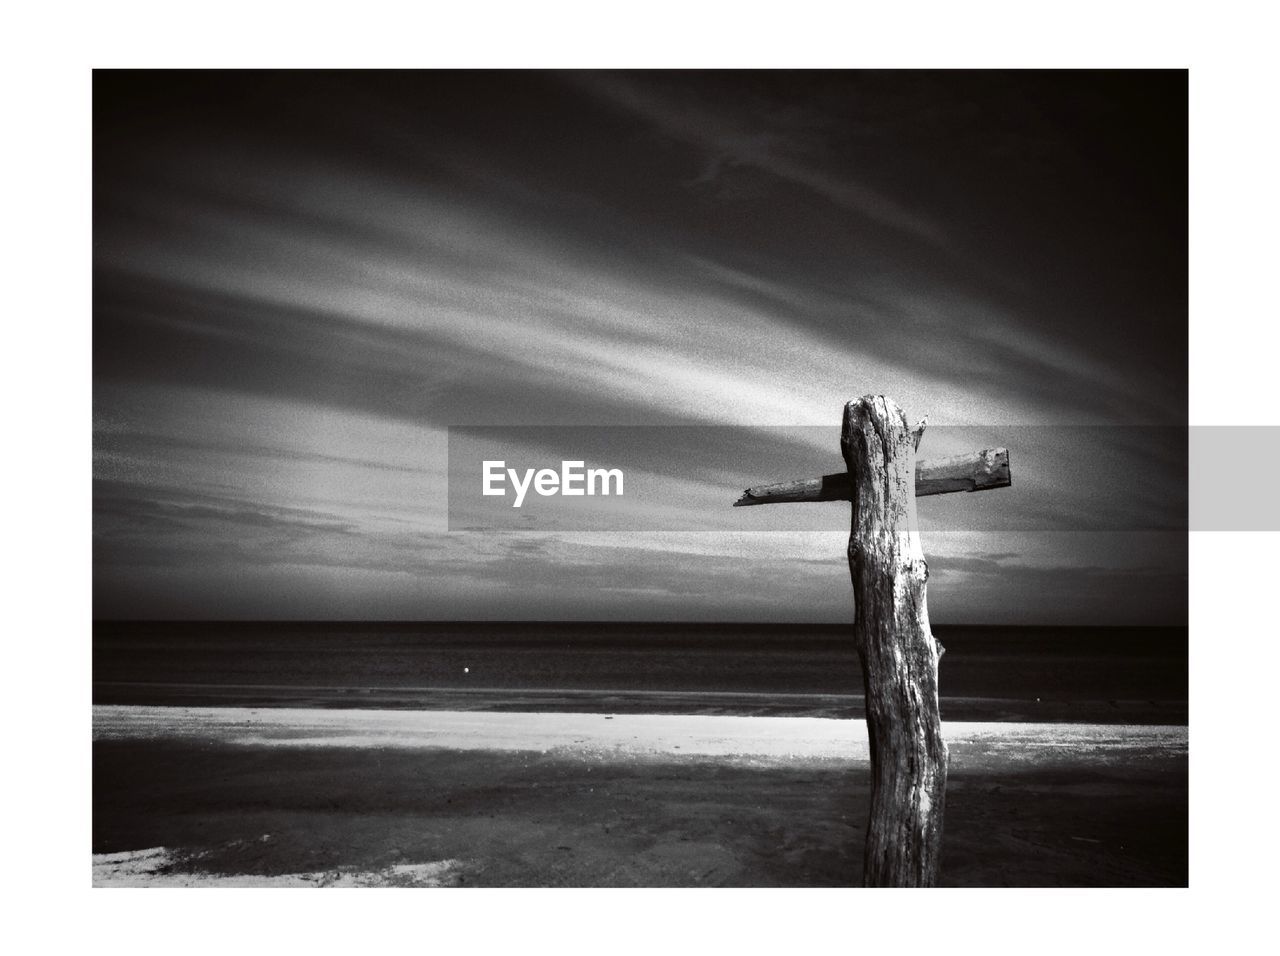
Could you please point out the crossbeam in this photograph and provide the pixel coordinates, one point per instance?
(979, 471)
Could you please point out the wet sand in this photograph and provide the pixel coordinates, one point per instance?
(1044, 709)
(230, 796)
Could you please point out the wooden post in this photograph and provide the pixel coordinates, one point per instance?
(898, 651)
(891, 624)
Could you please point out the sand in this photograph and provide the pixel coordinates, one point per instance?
(759, 739)
(161, 867)
(281, 797)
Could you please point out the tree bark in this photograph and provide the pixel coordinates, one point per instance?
(899, 654)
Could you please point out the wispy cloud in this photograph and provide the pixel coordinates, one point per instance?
(772, 144)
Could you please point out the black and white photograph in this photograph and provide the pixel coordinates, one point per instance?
(640, 478)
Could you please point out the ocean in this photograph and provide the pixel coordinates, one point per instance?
(1072, 674)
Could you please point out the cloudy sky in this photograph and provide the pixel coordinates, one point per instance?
(302, 281)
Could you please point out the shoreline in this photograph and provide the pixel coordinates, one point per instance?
(1126, 711)
(759, 739)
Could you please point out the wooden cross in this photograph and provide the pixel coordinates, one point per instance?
(891, 623)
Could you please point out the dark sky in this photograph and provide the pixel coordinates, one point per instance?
(302, 279)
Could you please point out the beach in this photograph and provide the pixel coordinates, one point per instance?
(369, 797)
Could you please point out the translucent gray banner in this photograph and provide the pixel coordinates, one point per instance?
(687, 478)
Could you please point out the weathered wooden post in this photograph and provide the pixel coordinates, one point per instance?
(898, 652)
(891, 625)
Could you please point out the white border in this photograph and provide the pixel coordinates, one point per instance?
(47, 389)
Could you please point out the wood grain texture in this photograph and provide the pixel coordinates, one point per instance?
(899, 654)
(979, 471)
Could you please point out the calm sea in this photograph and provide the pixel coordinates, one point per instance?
(1123, 675)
